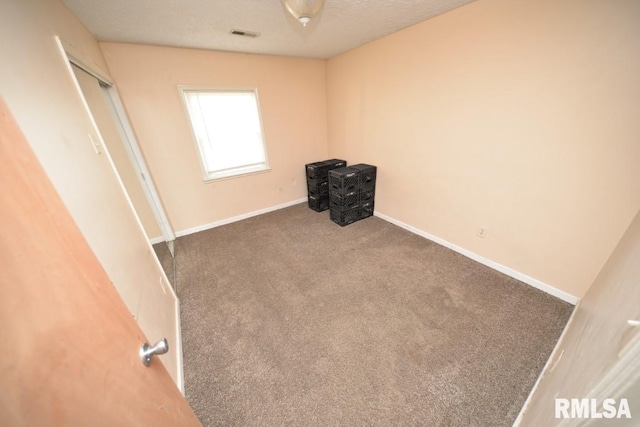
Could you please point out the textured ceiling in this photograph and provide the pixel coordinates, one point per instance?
(341, 26)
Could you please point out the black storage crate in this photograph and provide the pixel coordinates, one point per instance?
(367, 176)
(336, 163)
(315, 170)
(318, 203)
(319, 170)
(344, 203)
(317, 188)
(366, 210)
(317, 175)
(348, 192)
(367, 196)
(344, 181)
(343, 218)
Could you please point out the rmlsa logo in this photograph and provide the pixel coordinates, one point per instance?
(589, 408)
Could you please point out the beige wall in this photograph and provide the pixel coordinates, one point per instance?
(38, 88)
(519, 116)
(293, 108)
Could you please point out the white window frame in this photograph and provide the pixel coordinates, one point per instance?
(239, 171)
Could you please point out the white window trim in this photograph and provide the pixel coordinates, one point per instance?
(236, 172)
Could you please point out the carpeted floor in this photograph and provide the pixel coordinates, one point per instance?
(289, 319)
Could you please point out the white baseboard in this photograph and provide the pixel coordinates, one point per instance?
(237, 218)
(482, 260)
(157, 240)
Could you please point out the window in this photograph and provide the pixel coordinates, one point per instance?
(228, 133)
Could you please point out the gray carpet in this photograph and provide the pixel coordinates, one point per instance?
(289, 319)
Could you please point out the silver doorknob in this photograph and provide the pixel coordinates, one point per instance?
(146, 351)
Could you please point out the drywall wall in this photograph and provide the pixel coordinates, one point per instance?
(597, 337)
(293, 108)
(37, 85)
(516, 116)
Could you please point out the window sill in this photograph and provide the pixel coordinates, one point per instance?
(223, 176)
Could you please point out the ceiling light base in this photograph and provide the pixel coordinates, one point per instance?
(303, 10)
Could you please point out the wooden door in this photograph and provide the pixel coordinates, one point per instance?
(68, 344)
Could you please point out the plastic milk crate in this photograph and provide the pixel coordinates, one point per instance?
(344, 203)
(317, 188)
(317, 175)
(344, 181)
(367, 176)
(343, 218)
(318, 203)
(319, 170)
(366, 210)
(366, 196)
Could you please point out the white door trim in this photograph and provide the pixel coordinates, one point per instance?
(128, 137)
(139, 165)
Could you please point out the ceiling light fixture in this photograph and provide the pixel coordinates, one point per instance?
(303, 10)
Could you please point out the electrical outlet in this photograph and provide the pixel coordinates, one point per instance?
(482, 232)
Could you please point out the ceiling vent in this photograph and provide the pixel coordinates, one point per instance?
(245, 33)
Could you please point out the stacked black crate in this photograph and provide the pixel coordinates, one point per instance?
(367, 188)
(317, 174)
(344, 197)
(352, 193)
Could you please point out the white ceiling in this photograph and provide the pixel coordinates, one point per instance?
(206, 24)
